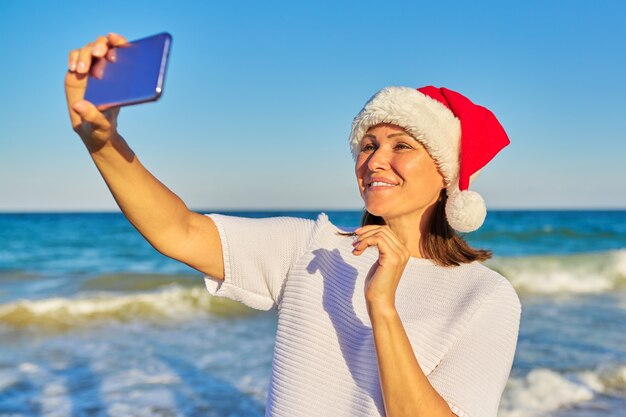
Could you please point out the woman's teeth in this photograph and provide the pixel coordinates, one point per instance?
(381, 184)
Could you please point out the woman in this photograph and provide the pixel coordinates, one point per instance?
(398, 318)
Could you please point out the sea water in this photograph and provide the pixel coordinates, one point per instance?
(95, 322)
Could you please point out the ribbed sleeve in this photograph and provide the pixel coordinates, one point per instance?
(258, 254)
(473, 374)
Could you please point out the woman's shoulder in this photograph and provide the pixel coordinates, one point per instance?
(485, 271)
(496, 284)
(482, 281)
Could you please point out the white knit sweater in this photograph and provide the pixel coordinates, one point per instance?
(462, 322)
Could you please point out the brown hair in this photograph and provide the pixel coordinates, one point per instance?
(443, 245)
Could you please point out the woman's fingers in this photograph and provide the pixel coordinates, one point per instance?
(80, 59)
(74, 91)
(360, 243)
(388, 249)
(73, 60)
(84, 59)
(100, 46)
(371, 230)
(115, 39)
(90, 114)
(76, 80)
(387, 231)
(86, 119)
(374, 238)
(111, 55)
(105, 46)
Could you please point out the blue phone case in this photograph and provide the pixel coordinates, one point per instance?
(136, 76)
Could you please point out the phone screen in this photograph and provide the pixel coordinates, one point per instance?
(136, 76)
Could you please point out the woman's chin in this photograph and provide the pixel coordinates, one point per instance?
(377, 210)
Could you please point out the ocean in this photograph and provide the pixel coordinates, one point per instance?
(95, 322)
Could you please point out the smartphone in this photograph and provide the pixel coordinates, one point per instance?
(136, 75)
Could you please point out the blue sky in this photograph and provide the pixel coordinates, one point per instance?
(259, 97)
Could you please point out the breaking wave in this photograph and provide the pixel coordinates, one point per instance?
(543, 391)
(578, 273)
(169, 304)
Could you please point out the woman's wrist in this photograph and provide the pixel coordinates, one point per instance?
(381, 309)
(116, 144)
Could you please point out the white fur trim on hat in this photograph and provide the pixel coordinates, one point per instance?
(426, 119)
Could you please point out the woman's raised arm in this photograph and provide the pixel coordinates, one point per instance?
(156, 212)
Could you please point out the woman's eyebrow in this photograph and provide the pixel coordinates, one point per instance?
(391, 135)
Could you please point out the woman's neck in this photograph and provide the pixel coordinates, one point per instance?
(411, 227)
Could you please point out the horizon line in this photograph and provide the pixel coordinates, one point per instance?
(273, 209)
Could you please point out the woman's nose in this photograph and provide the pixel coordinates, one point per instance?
(378, 159)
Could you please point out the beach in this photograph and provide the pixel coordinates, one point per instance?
(94, 321)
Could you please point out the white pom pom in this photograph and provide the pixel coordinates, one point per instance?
(465, 211)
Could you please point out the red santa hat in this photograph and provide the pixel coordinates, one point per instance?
(462, 137)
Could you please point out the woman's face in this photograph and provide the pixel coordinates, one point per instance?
(395, 173)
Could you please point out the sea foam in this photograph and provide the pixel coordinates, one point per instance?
(543, 391)
(172, 303)
(583, 273)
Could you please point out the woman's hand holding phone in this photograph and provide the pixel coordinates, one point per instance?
(96, 129)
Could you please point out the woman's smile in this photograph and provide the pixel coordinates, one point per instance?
(379, 184)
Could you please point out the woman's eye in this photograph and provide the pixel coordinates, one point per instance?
(367, 147)
(403, 146)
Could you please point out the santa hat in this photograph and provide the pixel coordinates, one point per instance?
(462, 137)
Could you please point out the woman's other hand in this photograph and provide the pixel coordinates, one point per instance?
(95, 128)
(384, 277)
